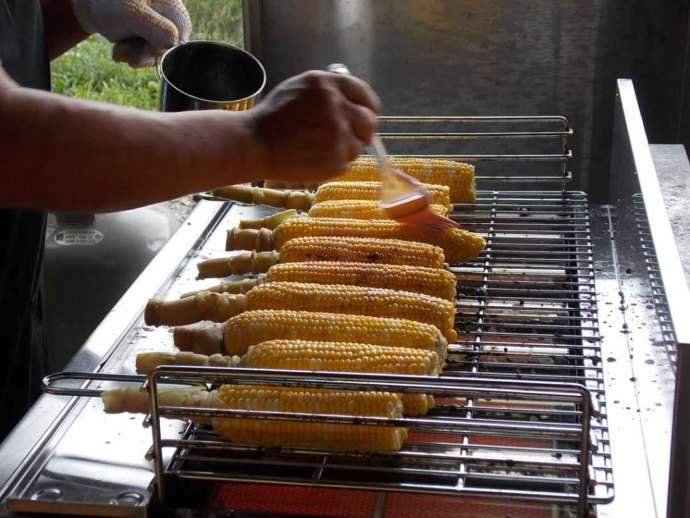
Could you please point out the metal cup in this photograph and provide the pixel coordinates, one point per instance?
(207, 75)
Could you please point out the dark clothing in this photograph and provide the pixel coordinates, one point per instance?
(24, 57)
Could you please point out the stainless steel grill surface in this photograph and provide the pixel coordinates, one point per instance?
(526, 311)
(522, 411)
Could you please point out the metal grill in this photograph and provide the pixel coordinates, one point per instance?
(668, 337)
(526, 311)
(513, 418)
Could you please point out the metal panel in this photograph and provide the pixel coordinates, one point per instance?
(492, 56)
(34, 440)
(655, 280)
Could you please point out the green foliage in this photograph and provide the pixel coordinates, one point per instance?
(88, 71)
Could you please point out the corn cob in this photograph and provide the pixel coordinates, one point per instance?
(311, 435)
(356, 209)
(315, 356)
(438, 194)
(355, 300)
(147, 362)
(347, 299)
(458, 176)
(348, 437)
(348, 357)
(362, 250)
(253, 327)
(341, 357)
(458, 245)
(417, 279)
(302, 200)
(348, 249)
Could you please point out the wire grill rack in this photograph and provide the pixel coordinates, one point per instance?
(668, 336)
(518, 413)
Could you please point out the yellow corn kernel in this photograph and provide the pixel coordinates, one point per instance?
(347, 357)
(350, 437)
(362, 250)
(253, 327)
(458, 176)
(416, 279)
(356, 209)
(438, 194)
(355, 300)
(458, 245)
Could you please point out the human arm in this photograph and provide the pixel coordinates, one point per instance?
(68, 154)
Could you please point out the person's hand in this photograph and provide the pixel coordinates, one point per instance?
(311, 125)
(140, 29)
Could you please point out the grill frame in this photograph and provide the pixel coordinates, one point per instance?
(47, 465)
(518, 226)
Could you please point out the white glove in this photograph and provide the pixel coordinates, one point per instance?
(140, 29)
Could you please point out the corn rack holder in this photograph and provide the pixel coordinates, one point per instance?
(546, 400)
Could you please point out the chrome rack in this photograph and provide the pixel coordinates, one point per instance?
(421, 465)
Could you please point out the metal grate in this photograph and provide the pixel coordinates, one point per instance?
(526, 311)
(517, 414)
(667, 334)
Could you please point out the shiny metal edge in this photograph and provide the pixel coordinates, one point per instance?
(21, 449)
(671, 267)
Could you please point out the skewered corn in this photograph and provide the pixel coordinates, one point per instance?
(148, 361)
(356, 209)
(302, 200)
(417, 279)
(270, 432)
(362, 250)
(340, 356)
(348, 249)
(311, 434)
(253, 327)
(458, 176)
(348, 357)
(458, 245)
(438, 194)
(348, 299)
(315, 356)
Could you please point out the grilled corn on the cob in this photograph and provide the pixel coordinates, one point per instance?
(458, 176)
(356, 209)
(267, 432)
(315, 356)
(417, 279)
(458, 245)
(348, 299)
(438, 194)
(348, 357)
(308, 434)
(253, 327)
(347, 249)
